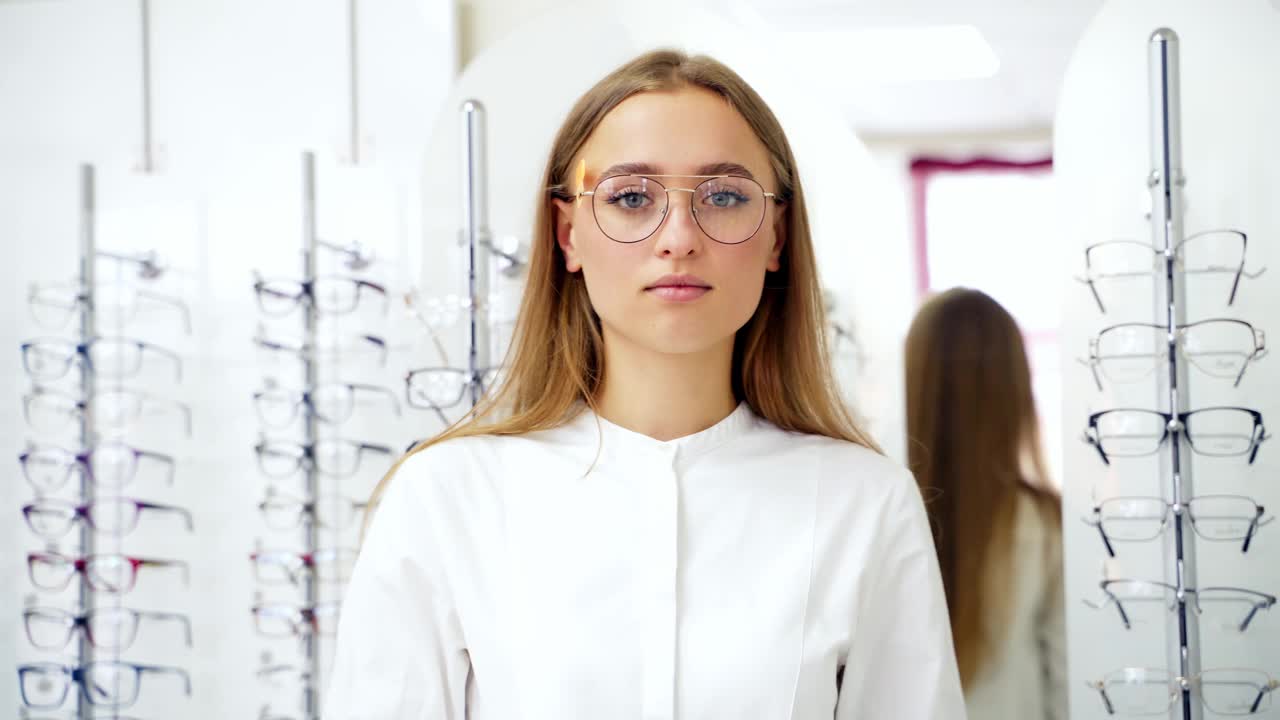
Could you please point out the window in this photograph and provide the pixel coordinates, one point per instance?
(987, 224)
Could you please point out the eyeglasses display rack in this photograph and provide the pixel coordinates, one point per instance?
(1167, 350)
(476, 235)
(323, 516)
(310, 597)
(91, 674)
(441, 388)
(303, 621)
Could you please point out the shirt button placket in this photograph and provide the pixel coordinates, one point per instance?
(661, 514)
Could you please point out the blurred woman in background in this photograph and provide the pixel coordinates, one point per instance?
(974, 444)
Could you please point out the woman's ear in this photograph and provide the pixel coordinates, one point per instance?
(564, 212)
(779, 240)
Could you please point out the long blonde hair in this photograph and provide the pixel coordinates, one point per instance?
(973, 442)
(780, 361)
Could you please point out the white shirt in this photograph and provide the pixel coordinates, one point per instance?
(728, 574)
(1025, 678)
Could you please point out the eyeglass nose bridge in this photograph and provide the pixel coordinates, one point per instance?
(693, 211)
(667, 206)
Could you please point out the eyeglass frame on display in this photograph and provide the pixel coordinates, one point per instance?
(83, 351)
(83, 461)
(300, 616)
(308, 563)
(83, 513)
(305, 398)
(1184, 683)
(306, 507)
(80, 405)
(301, 350)
(306, 293)
(1095, 361)
(1180, 428)
(80, 565)
(1256, 522)
(81, 622)
(1267, 602)
(1090, 278)
(79, 296)
(307, 455)
(75, 674)
(468, 379)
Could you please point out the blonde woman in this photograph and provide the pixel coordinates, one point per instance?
(974, 445)
(664, 511)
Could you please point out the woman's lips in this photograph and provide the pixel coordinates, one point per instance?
(678, 293)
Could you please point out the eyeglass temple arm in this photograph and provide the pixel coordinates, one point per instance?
(186, 569)
(1253, 611)
(380, 344)
(1102, 692)
(1257, 444)
(1096, 521)
(166, 353)
(1092, 364)
(177, 303)
(158, 457)
(371, 447)
(170, 617)
(1262, 694)
(186, 416)
(167, 670)
(1094, 290)
(379, 390)
(1248, 536)
(183, 409)
(1092, 440)
(1124, 616)
(1110, 599)
(1243, 367)
(186, 515)
(380, 289)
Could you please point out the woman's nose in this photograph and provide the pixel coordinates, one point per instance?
(679, 235)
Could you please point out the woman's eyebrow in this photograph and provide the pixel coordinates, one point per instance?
(642, 168)
(726, 168)
(630, 168)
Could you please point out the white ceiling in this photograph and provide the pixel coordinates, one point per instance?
(1033, 40)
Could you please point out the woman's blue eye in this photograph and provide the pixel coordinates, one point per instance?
(725, 199)
(629, 199)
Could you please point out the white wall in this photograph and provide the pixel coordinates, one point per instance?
(241, 89)
(1229, 63)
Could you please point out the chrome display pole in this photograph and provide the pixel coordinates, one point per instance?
(310, 641)
(475, 233)
(353, 68)
(88, 329)
(148, 164)
(1166, 183)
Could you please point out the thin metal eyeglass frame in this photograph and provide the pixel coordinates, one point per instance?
(692, 211)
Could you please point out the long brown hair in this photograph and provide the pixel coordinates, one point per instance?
(973, 442)
(780, 361)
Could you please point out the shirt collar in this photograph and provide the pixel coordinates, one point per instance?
(616, 438)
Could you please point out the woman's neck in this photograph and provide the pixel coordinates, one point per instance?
(663, 395)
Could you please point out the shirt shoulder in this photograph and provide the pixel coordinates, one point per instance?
(847, 467)
(855, 484)
(440, 468)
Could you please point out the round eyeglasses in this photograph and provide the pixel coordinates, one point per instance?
(730, 209)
